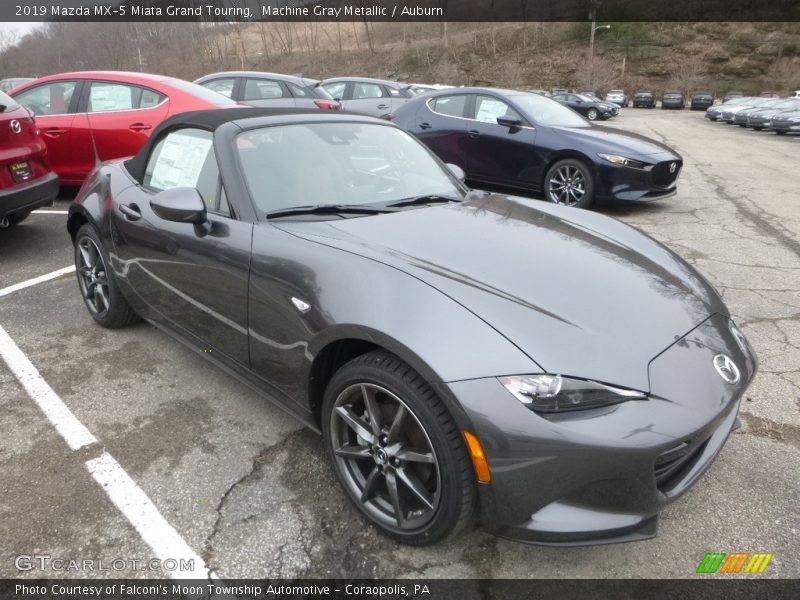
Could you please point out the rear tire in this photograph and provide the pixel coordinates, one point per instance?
(97, 283)
(396, 451)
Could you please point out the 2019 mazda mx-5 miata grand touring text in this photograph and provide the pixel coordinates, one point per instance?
(552, 370)
(506, 138)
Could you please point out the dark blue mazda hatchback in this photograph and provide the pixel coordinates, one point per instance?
(528, 142)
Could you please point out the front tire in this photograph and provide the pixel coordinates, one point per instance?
(569, 182)
(396, 450)
(592, 115)
(97, 283)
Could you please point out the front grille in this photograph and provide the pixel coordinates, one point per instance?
(671, 466)
(661, 175)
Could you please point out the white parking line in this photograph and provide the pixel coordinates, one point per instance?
(51, 212)
(123, 492)
(29, 282)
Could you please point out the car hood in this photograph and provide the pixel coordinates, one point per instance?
(787, 114)
(580, 293)
(614, 141)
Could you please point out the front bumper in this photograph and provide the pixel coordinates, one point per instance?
(784, 125)
(29, 196)
(626, 184)
(602, 476)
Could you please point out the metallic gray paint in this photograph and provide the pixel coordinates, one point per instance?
(463, 293)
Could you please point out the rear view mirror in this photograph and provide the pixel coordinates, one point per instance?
(180, 204)
(511, 122)
(457, 171)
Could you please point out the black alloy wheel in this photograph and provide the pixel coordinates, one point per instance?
(569, 182)
(396, 450)
(99, 290)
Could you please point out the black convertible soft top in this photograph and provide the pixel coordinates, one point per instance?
(209, 120)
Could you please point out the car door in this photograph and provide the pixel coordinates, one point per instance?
(368, 98)
(499, 154)
(67, 135)
(193, 278)
(266, 92)
(441, 125)
(122, 116)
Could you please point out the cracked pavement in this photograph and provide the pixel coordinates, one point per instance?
(250, 489)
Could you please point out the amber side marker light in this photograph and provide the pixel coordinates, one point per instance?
(478, 458)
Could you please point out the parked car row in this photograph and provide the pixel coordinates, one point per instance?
(781, 115)
(518, 140)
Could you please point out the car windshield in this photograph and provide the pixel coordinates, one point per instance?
(7, 102)
(586, 97)
(544, 111)
(793, 104)
(349, 164)
(201, 92)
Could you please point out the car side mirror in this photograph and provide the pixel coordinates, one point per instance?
(181, 205)
(457, 171)
(511, 122)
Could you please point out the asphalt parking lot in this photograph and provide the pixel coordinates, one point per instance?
(249, 489)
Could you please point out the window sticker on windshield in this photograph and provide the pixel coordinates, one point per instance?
(181, 159)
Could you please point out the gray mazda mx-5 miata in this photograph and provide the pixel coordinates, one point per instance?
(552, 370)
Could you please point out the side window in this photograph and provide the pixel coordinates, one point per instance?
(263, 89)
(48, 99)
(336, 89)
(105, 97)
(394, 93)
(488, 108)
(185, 158)
(299, 92)
(150, 98)
(367, 90)
(221, 86)
(450, 106)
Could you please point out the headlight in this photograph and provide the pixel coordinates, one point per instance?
(554, 393)
(622, 160)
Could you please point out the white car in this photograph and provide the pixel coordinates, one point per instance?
(796, 94)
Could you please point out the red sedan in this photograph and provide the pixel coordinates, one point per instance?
(94, 116)
(26, 181)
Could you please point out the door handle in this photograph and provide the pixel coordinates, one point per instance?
(140, 127)
(474, 133)
(131, 211)
(383, 106)
(54, 131)
(425, 125)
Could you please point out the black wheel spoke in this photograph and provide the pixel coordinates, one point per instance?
(370, 484)
(417, 488)
(373, 409)
(394, 494)
(414, 456)
(355, 423)
(397, 424)
(354, 452)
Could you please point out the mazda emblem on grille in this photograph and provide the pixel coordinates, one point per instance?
(726, 368)
(672, 167)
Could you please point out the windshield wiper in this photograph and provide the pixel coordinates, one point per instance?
(426, 199)
(327, 209)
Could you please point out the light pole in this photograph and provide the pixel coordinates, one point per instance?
(591, 48)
